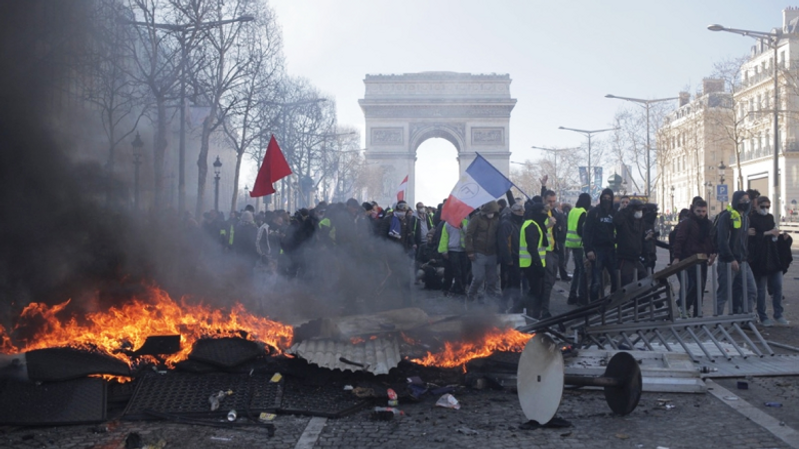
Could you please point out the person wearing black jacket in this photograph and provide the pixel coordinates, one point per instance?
(533, 234)
(732, 242)
(629, 225)
(693, 237)
(510, 226)
(765, 262)
(578, 291)
(599, 243)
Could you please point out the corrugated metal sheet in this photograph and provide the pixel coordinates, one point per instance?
(377, 356)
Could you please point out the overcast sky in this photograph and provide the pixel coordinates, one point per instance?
(562, 57)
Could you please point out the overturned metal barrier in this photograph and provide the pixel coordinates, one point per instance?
(644, 315)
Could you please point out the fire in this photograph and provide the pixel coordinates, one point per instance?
(458, 353)
(131, 324)
(5, 341)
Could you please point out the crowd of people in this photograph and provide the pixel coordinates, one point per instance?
(509, 253)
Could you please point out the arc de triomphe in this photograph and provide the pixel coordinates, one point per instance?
(402, 111)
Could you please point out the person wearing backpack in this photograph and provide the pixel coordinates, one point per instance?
(732, 242)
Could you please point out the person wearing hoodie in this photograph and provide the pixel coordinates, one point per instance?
(599, 239)
(578, 292)
(630, 241)
(481, 249)
(732, 243)
(510, 227)
(765, 261)
(533, 246)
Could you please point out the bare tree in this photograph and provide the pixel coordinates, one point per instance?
(733, 122)
(251, 101)
(108, 86)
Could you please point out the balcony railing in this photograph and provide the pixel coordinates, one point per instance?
(765, 151)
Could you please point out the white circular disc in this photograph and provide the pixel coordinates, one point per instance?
(539, 380)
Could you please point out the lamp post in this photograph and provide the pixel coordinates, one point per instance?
(137, 146)
(646, 105)
(217, 170)
(183, 30)
(556, 152)
(624, 187)
(588, 134)
(673, 212)
(772, 39)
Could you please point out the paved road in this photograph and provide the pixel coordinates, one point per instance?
(491, 419)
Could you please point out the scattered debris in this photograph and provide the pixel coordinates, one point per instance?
(774, 404)
(385, 413)
(742, 385)
(448, 401)
(467, 431)
(622, 436)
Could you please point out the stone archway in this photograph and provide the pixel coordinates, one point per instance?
(402, 111)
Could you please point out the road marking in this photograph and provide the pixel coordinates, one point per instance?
(311, 433)
(759, 417)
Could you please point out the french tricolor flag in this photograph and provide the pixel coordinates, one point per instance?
(403, 187)
(481, 183)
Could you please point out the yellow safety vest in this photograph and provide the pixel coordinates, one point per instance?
(573, 239)
(735, 216)
(550, 233)
(525, 259)
(443, 243)
(325, 222)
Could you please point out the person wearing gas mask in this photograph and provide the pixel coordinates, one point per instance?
(764, 258)
(732, 242)
(481, 249)
(629, 225)
(599, 241)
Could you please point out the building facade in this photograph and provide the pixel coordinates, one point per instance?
(691, 143)
(754, 115)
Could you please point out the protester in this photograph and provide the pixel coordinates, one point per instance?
(578, 291)
(693, 237)
(765, 261)
(481, 249)
(732, 240)
(599, 242)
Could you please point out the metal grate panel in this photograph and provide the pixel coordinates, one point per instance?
(81, 401)
(329, 401)
(55, 364)
(187, 394)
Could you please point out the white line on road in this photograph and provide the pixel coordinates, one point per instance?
(759, 417)
(311, 433)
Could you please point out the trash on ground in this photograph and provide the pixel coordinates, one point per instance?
(216, 398)
(392, 398)
(622, 436)
(231, 415)
(348, 388)
(773, 404)
(742, 385)
(276, 378)
(730, 398)
(266, 417)
(448, 401)
(467, 431)
(221, 439)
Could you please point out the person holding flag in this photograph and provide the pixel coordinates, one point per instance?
(273, 169)
(479, 186)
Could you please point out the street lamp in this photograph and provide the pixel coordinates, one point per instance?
(772, 39)
(674, 212)
(217, 170)
(137, 146)
(645, 104)
(722, 170)
(588, 134)
(183, 30)
(556, 152)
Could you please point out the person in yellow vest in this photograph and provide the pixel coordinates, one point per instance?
(533, 260)
(732, 242)
(550, 201)
(452, 247)
(578, 291)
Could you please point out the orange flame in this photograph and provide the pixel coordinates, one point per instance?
(458, 353)
(139, 318)
(5, 342)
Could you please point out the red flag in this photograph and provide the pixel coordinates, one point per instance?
(272, 170)
(402, 189)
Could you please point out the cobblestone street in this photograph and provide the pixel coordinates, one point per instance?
(490, 418)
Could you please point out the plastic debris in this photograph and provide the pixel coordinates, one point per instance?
(221, 439)
(730, 398)
(448, 401)
(773, 404)
(266, 417)
(622, 436)
(348, 388)
(392, 398)
(467, 431)
(231, 415)
(415, 380)
(216, 398)
(276, 378)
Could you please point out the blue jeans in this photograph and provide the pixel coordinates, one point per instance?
(605, 260)
(737, 288)
(774, 281)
